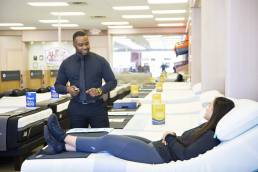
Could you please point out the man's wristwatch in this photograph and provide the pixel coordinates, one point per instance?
(99, 90)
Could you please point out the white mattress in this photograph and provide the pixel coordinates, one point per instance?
(173, 96)
(19, 102)
(173, 109)
(113, 93)
(176, 123)
(29, 119)
(239, 154)
(176, 86)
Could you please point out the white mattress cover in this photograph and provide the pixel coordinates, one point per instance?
(62, 106)
(113, 93)
(239, 154)
(29, 119)
(176, 86)
(176, 123)
(173, 96)
(173, 109)
(19, 102)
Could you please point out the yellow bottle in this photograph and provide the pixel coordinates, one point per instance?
(134, 90)
(158, 114)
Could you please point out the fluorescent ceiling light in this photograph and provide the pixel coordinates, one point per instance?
(115, 23)
(130, 8)
(168, 11)
(120, 27)
(54, 21)
(167, 1)
(48, 4)
(171, 24)
(170, 19)
(68, 13)
(11, 24)
(137, 16)
(23, 28)
(65, 25)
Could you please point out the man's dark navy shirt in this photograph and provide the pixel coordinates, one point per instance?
(96, 69)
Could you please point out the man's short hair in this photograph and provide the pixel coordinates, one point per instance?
(79, 33)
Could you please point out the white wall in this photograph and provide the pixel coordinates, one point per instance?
(242, 68)
(196, 46)
(11, 53)
(214, 44)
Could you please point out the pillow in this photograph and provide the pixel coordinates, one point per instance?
(208, 96)
(17, 92)
(197, 88)
(240, 119)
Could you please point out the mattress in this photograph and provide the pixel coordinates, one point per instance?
(173, 109)
(176, 123)
(57, 104)
(239, 154)
(20, 101)
(176, 86)
(38, 164)
(119, 121)
(20, 125)
(173, 96)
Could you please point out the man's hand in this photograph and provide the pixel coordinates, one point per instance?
(73, 90)
(93, 92)
(165, 135)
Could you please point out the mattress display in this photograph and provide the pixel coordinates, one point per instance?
(173, 96)
(85, 162)
(119, 121)
(222, 158)
(21, 125)
(173, 109)
(176, 86)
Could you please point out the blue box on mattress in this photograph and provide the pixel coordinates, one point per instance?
(54, 94)
(125, 105)
(30, 99)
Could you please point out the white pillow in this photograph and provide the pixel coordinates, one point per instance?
(208, 96)
(197, 88)
(240, 119)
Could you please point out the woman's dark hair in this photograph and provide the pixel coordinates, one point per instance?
(221, 106)
(79, 33)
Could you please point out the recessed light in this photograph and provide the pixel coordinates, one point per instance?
(65, 25)
(11, 24)
(168, 11)
(54, 21)
(115, 23)
(137, 16)
(171, 24)
(48, 4)
(170, 19)
(68, 13)
(23, 28)
(120, 27)
(130, 8)
(167, 1)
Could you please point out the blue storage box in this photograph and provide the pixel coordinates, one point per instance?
(125, 105)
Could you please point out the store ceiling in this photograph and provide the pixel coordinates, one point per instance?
(96, 11)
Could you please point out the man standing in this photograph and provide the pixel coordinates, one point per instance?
(85, 71)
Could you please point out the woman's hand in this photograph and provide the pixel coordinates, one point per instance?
(165, 135)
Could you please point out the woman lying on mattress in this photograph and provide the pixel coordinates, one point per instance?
(170, 148)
